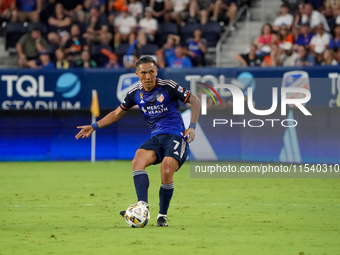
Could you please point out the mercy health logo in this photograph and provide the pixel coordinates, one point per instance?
(295, 92)
(30, 92)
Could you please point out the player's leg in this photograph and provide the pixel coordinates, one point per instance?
(176, 151)
(142, 159)
(168, 168)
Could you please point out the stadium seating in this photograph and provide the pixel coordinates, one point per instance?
(148, 49)
(122, 50)
(13, 32)
(42, 27)
(211, 32)
(187, 30)
(164, 30)
(98, 56)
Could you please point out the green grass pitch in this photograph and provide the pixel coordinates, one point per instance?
(73, 208)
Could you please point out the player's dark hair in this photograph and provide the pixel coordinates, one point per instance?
(145, 59)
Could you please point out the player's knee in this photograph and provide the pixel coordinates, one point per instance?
(167, 176)
(136, 165)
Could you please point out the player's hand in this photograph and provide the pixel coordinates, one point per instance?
(189, 134)
(85, 131)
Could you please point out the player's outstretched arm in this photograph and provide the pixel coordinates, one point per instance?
(195, 112)
(110, 118)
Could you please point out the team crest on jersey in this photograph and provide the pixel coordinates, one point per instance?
(180, 89)
(141, 98)
(160, 98)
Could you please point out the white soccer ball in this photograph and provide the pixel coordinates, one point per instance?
(137, 216)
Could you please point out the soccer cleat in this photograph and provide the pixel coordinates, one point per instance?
(161, 221)
(143, 203)
(122, 213)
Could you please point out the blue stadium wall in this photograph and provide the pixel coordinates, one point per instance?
(39, 112)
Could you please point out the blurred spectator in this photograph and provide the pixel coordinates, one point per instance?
(304, 57)
(336, 13)
(337, 55)
(85, 60)
(167, 50)
(99, 4)
(305, 35)
(27, 11)
(125, 27)
(98, 25)
(61, 61)
(159, 8)
(283, 36)
(285, 18)
(72, 8)
(230, 7)
(335, 42)
(114, 7)
(197, 47)
(318, 58)
(250, 58)
(316, 4)
(292, 4)
(313, 17)
(147, 28)
(129, 61)
(334, 19)
(76, 44)
(288, 58)
(44, 62)
(136, 9)
(47, 11)
(6, 10)
(29, 46)
(59, 24)
(113, 61)
(273, 58)
(180, 10)
(332, 3)
(265, 39)
(178, 59)
(329, 58)
(320, 40)
(202, 8)
(298, 15)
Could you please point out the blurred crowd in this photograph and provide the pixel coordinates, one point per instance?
(305, 33)
(92, 33)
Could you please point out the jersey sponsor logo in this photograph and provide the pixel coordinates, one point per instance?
(154, 109)
(125, 83)
(160, 98)
(180, 89)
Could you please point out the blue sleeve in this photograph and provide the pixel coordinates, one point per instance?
(128, 101)
(177, 92)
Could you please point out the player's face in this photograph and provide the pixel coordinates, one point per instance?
(147, 73)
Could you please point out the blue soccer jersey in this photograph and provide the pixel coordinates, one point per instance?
(160, 106)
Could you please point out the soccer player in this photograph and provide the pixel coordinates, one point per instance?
(158, 101)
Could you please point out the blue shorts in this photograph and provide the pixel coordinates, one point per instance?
(167, 145)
